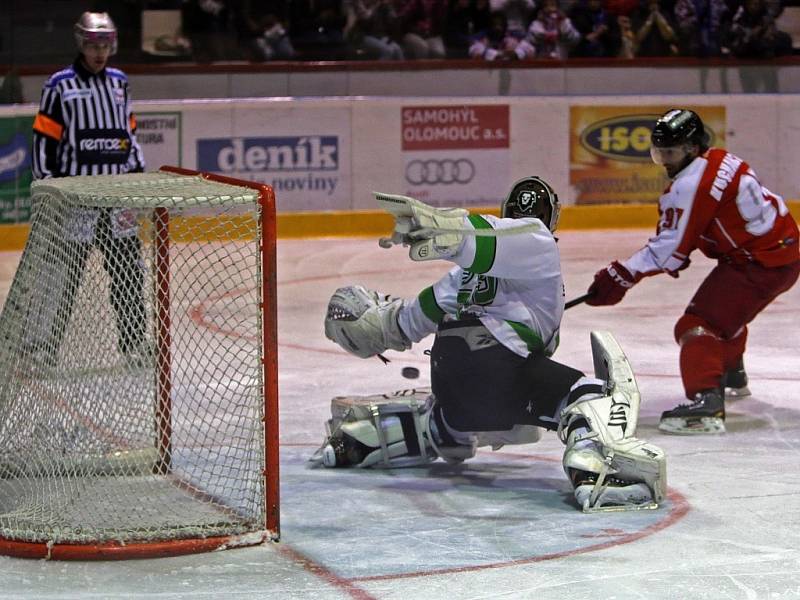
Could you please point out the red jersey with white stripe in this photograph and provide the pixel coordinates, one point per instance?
(717, 205)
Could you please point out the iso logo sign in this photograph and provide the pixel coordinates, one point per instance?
(625, 138)
(440, 171)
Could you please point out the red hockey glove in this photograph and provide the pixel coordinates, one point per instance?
(610, 284)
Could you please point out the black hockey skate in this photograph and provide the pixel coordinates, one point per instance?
(734, 382)
(704, 414)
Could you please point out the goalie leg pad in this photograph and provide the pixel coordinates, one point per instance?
(621, 476)
(364, 322)
(595, 488)
(612, 366)
(384, 431)
(609, 467)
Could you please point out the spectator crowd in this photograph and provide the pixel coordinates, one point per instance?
(492, 30)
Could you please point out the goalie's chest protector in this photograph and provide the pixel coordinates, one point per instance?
(521, 297)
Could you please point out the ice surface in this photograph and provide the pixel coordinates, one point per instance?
(503, 524)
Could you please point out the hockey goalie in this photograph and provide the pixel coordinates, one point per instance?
(496, 317)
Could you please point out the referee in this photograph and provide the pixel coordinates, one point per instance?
(85, 126)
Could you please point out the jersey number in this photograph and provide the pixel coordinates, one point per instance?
(759, 207)
(670, 218)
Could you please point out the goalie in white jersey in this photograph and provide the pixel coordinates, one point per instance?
(496, 315)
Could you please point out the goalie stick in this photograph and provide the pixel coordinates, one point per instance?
(434, 231)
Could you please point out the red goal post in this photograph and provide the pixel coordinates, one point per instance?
(138, 369)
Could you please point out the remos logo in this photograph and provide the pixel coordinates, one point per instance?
(105, 144)
(625, 138)
(243, 155)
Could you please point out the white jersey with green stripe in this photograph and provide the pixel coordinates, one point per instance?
(512, 283)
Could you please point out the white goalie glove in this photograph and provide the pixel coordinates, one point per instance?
(364, 322)
(434, 232)
(609, 468)
(431, 232)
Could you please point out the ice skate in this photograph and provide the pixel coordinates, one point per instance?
(704, 414)
(735, 381)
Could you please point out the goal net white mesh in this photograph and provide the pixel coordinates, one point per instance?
(132, 401)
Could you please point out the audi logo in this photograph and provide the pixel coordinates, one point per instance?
(444, 171)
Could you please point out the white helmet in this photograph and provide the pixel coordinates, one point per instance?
(97, 28)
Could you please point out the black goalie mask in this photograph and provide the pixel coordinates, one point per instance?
(532, 197)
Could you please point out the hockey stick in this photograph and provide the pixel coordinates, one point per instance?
(429, 232)
(576, 301)
(528, 228)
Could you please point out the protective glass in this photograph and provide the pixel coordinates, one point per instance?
(670, 155)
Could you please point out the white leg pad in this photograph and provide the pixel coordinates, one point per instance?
(602, 491)
(610, 467)
(612, 366)
(369, 431)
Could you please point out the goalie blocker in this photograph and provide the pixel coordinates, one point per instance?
(609, 468)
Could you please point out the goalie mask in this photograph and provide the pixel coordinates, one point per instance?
(532, 197)
(96, 28)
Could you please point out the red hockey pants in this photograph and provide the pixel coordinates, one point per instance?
(713, 331)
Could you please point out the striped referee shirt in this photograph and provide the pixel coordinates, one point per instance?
(85, 125)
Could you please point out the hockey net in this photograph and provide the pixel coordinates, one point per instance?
(138, 369)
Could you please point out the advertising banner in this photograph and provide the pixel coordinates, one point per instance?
(609, 151)
(15, 169)
(303, 154)
(159, 134)
(455, 155)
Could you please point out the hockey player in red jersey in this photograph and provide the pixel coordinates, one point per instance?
(715, 203)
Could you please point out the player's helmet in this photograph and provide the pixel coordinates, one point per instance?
(679, 126)
(98, 28)
(532, 197)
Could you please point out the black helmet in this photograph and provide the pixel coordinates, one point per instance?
(532, 197)
(678, 126)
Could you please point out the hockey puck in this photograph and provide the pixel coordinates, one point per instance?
(410, 372)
